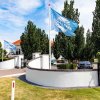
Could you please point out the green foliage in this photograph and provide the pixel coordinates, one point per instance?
(34, 40)
(79, 43)
(96, 28)
(4, 59)
(67, 66)
(70, 47)
(98, 56)
(56, 47)
(2, 51)
(88, 51)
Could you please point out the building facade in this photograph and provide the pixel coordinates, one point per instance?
(18, 47)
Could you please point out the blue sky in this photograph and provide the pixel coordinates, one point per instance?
(14, 15)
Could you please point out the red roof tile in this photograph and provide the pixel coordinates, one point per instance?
(17, 42)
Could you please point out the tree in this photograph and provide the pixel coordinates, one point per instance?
(34, 40)
(56, 47)
(69, 46)
(79, 43)
(96, 28)
(88, 51)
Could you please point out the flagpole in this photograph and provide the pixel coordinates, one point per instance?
(49, 38)
(2, 51)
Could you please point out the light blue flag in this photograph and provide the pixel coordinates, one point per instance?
(8, 45)
(62, 24)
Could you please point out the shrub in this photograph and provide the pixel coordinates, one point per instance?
(61, 66)
(4, 59)
(67, 66)
(98, 56)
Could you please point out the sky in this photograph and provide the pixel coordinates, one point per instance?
(14, 15)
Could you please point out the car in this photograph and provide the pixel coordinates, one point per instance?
(84, 65)
(53, 61)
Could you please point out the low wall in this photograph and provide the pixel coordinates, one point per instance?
(17, 61)
(9, 64)
(41, 62)
(60, 78)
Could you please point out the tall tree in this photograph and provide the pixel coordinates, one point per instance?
(71, 43)
(79, 43)
(96, 28)
(88, 51)
(56, 47)
(34, 40)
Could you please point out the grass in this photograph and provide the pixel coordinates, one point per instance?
(25, 91)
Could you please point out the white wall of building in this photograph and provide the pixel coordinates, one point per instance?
(62, 79)
(9, 64)
(17, 61)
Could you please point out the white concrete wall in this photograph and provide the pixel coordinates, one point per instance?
(62, 79)
(45, 61)
(40, 62)
(36, 63)
(18, 58)
(35, 55)
(9, 64)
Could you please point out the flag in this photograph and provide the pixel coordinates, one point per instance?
(8, 45)
(62, 24)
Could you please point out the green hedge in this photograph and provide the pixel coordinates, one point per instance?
(4, 59)
(67, 66)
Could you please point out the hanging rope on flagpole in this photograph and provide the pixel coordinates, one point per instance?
(49, 38)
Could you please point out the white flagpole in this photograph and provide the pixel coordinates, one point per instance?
(2, 51)
(49, 38)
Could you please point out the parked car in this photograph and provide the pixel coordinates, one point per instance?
(53, 61)
(84, 65)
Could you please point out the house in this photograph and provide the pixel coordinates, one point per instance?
(18, 47)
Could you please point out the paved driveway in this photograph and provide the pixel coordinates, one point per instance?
(12, 72)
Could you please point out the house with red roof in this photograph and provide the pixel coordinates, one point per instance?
(18, 46)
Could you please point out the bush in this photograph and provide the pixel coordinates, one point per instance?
(4, 59)
(98, 56)
(61, 66)
(67, 66)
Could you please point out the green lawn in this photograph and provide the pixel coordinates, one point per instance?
(26, 91)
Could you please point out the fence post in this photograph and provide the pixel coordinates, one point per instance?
(13, 90)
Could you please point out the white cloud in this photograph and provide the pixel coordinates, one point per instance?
(25, 6)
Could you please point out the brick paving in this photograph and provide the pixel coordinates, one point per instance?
(12, 71)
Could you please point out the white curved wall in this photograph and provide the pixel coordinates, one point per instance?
(40, 62)
(62, 79)
(9, 64)
(36, 63)
(37, 73)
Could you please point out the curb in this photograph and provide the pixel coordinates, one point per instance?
(12, 75)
